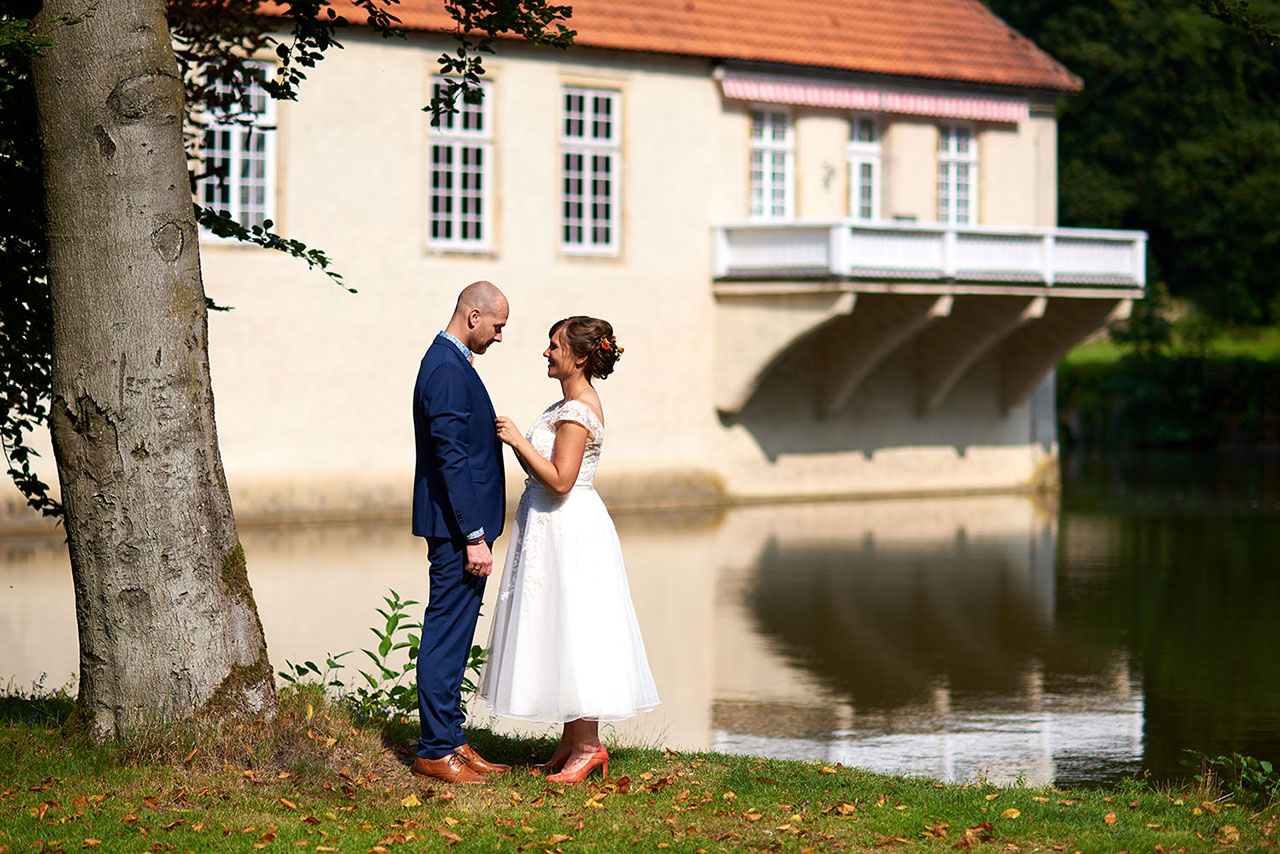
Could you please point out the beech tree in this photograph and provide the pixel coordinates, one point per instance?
(167, 622)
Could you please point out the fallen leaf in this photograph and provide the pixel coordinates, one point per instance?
(1208, 807)
(288, 803)
(1011, 813)
(993, 796)
(1110, 818)
(1040, 799)
(92, 843)
(411, 801)
(556, 839)
(191, 755)
(827, 769)
(752, 815)
(1229, 834)
(671, 752)
(935, 831)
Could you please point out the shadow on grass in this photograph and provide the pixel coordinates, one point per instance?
(520, 752)
(44, 709)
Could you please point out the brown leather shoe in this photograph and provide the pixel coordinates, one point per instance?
(478, 764)
(450, 769)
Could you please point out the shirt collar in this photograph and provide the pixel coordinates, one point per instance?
(462, 348)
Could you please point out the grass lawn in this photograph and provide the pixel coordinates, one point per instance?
(310, 781)
(1261, 343)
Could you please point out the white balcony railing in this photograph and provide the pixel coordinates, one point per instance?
(911, 251)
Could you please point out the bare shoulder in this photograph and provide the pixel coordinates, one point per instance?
(591, 400)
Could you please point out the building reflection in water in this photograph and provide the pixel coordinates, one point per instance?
(911, 636)
(914, 637)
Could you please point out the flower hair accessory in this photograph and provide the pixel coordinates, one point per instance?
(609, 343)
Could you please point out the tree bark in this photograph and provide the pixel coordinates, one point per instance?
(167, 622)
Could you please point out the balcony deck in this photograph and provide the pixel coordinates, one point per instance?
(928, 258)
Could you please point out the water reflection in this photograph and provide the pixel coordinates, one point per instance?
(951, 637)
(922, 630)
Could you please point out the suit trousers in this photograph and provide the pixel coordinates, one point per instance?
(448, 627)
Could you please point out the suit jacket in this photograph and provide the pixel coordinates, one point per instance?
(458, 483)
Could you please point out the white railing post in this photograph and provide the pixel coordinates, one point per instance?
(1047, 270)
(949, 244)
(1139, 249)
(837, 249)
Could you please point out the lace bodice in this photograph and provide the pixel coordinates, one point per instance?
(542, 435)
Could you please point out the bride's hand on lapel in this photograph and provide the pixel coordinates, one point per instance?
(508, 432)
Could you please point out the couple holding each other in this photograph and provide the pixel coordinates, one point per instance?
(565, 646)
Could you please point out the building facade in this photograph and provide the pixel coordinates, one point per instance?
(825, 235)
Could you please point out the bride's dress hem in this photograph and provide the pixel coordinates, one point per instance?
(543, 719)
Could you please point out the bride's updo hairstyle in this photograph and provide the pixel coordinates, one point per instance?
(593, 338)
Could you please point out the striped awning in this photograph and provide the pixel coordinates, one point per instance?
(813, 93)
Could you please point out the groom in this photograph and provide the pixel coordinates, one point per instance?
(458, 505)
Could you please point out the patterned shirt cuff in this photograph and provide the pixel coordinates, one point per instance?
(476, 537)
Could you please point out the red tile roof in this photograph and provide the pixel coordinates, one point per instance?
(943, 39)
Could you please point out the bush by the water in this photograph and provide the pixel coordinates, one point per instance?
(1178, 400)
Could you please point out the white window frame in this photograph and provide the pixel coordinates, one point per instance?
(764, 183)
(864, 155)
(239, 135)
(957, 155)
(590, 135)
(466, 134)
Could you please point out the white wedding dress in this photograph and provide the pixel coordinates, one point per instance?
(565, 643)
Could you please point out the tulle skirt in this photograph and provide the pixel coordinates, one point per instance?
(565, 643)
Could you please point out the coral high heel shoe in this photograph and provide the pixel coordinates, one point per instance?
(600, 757)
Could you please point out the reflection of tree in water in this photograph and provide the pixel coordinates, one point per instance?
(887, 625)
(1197, 601)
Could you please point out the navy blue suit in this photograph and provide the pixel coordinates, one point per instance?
(458, 487)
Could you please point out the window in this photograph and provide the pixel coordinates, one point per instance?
(864, 169)
(957, 174)
(240, 160)
(460, 174)
(771, 164)
(591, 142)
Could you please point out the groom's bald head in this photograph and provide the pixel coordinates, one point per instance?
(479, 315)
(482, 295)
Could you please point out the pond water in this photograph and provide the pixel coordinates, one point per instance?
(999, 637)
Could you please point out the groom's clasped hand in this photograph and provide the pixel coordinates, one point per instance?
(559, 596)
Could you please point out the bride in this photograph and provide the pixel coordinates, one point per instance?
(565, 646)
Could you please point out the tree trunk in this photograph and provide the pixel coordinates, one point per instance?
(168, 626)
